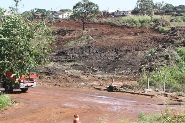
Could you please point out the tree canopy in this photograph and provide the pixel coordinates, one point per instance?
(168, 7)
(159, 6)
(180, 7)
(23, 43)
(28, 15)
(65, 10)
(85, 10)
(145, 7)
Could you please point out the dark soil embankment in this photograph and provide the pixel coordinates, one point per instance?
(103, 48)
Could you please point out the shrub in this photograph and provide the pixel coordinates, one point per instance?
(181, 51)
(177, 19)
(172, 75)
(181, 14)
(167, 117)
(183, 18)
(163, 29)
(149, 118)
(5, 101)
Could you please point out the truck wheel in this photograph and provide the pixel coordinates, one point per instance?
(8, 88)
(24, 89)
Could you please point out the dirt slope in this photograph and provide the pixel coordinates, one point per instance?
(107, 49)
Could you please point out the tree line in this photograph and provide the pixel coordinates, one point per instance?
(148, 7)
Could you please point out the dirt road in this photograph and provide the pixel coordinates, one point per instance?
(48, 104)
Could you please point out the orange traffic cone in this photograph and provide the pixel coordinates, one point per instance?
(76, 118)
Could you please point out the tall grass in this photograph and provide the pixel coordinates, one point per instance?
(168, 116)
(174, 24)
(134, 21)
(137, 21)
(5, 101)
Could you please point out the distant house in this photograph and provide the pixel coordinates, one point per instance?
(113, 13)
(60, 15)
(108, 13)
(7, 14)
(127, 13)
(122, 13)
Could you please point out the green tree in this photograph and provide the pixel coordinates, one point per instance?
(180, 7)
(43, 12)
(85, 10)
(145, 7)
(168, 7)
(65, 10)
(2, 11)
(135, 11)
(40, 11)
(23, 43)
(27, 15)
(159, 6)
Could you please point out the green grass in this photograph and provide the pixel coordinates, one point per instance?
(137, 21)
(143, 118)
(5, 101)
(167, 117)
(81, 41)
(131, 21)
(163, 29)
(174, 24)
(70, 43)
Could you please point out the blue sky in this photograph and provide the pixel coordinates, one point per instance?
(26, 5)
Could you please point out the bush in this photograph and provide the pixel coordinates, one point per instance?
(177, 19)
(181, 14)
(163, 29)
(172, 75)
(150, 118)
(5, 101)
(183, 18)
(166, 117)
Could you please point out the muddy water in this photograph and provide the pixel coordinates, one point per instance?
(114, 104)
(119, 103)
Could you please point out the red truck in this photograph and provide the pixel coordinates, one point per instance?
(10, 82)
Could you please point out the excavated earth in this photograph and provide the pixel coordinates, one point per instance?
(84, 63)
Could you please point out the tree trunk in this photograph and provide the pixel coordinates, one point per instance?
(83, 25)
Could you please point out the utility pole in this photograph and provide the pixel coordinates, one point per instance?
(164, 88)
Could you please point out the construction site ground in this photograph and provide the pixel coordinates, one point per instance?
(83, 64)
(51, 104)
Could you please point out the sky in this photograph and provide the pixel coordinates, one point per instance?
(55, 5)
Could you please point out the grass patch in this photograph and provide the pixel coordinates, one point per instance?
(163, 29)
(81, 41)
(167, 117)
(154, 118)
(137, 21)
(5, 101)
(174, 24)
(134, 21)
(70, 43)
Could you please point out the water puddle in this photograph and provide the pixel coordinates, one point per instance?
(111, 104)
(74, 105)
